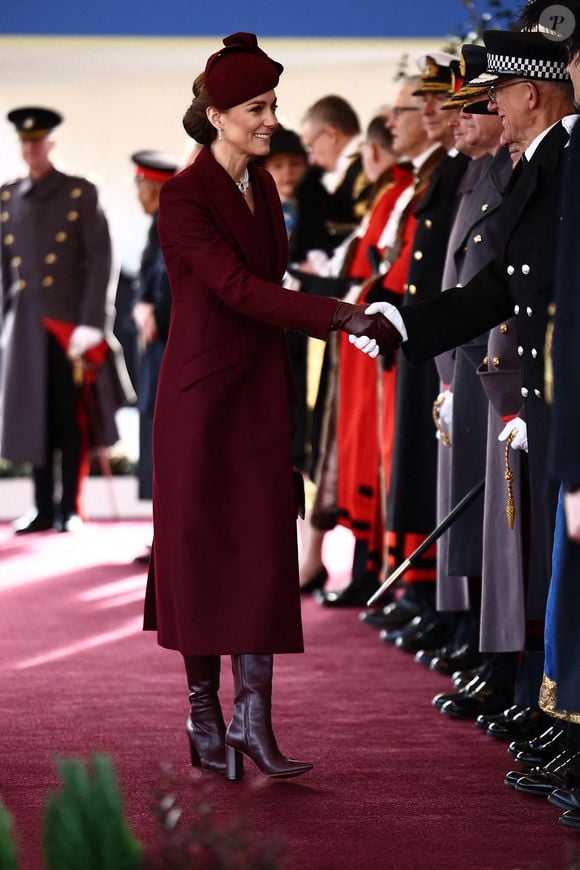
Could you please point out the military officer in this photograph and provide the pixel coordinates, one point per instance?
(55, 267)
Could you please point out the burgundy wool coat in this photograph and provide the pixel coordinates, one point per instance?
(224, 572)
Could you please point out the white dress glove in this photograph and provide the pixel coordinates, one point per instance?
(369, 345)
(520, 441)
(446, 411)
(572, 511)
(83, 339)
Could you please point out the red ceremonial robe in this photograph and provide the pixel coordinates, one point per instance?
(224, 573)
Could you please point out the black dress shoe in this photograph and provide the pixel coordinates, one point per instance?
(512, 777)
(434, 633)
(483, 722)
(462, 659)
(462, 678)
(483, 699)
(571, 819)
(315, 583)
(440, 699)
(355, 594)
(32, 521)
(389, 635)
(527, 723)
(374, 618)
(426, 656)
(566, 799)
(541, 749)
(400, 613)
(68, 523)
(565, 776)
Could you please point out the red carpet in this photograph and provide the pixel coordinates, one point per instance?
(395, 784)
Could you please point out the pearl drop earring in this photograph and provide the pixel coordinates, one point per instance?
(220, 134)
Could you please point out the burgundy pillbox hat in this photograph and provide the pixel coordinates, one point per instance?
(239, 71)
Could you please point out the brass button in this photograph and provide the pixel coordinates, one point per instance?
(15, 262)
(72, 216)
(526, 269)
(504, 329)
(76, 192)
(534, 353)
(5, 195)
(477, 239)
(524, 392)
(61, 237)
(529, 311)
(495, 362)
(47, 281)
(50, 258)
(520, 350)
(418, 255)
(537, 394)
(485, 206)
(516, 309)
(485, 361)
(412, 289)
(428, 223)
(551, 309)
(20, 285)
(9, 239)
(510, 270)
(4, 216)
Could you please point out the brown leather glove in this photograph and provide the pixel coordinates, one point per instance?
(353, 320)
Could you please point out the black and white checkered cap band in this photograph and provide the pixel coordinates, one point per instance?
(533, 68)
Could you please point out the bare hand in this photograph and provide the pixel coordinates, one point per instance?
(572, 511)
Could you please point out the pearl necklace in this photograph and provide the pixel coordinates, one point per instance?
(244, 182)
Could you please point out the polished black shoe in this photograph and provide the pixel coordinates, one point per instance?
(462, 678)
(566, 799)
(512, 777)
(462, 659)
(32, 521)
(541, 749)
(68, 523)
(482, 700)
(355, 594)
(440, 699)
(571, 819)
(374, 618)
(529, 722)
(315, 583)
(390, 635)
(425, 656)
(435, 633)
(400, 613)
(565, 776)
(483, 722)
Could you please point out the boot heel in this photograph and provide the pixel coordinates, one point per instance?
(235, 764)
(195, 759)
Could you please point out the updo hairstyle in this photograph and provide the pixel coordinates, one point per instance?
(195, 120)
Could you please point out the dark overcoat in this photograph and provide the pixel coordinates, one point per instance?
(224, 574)
(55, 262)
(519, 282)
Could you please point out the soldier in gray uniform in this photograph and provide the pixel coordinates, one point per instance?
(55, 268)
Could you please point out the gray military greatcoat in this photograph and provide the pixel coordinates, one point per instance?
(55, 262)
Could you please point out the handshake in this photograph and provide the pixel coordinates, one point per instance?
(375, 329)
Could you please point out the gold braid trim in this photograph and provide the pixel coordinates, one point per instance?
(548, 702)
(436, 413)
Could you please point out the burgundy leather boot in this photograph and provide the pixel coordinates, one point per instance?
(205, 725)
(250, 731)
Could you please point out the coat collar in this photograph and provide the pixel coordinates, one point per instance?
(44, 186)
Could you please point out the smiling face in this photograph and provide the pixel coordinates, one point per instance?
(247, 128)
(513, 100)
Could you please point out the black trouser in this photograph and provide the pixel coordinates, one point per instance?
(62, 432)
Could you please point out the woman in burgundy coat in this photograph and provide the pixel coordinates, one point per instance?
(224, 573)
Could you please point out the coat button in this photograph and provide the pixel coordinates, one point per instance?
(516, 309)
(534, 353)
(72, 216)
(495, 362)
(485, 206)
(524, 392)
(428, 224)
(5, 195)
(15, 262)
(551, 309)
(61, 237)
(418, 255)
(526, 269)
(20, 285)
(47, 281)
(510, 270)
(50, 259)
(412, 289)
(9, 239)
(504, 329)
(537, 394)
(520, 351)
(76, 192)
(4, 216)
(529, 311)
(477, 239)
(485, 361)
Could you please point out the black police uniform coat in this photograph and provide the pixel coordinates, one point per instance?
(55, 262)
(411, 506)
(519, 282)
(153, 288)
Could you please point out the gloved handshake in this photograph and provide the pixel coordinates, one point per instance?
(370, 328)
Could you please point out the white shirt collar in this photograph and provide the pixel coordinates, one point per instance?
(567, 122)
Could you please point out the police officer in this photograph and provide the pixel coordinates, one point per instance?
(55, 267)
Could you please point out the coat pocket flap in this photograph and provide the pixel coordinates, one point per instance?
(211, 361)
